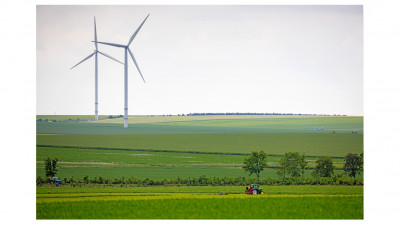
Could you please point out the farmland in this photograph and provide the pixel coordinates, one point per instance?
(171, 147)
(68, 117)
(161, 147)
(127, 163)
(272, 143)
(283, 202)
(199, 124)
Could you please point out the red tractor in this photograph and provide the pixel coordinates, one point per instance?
(254, 190)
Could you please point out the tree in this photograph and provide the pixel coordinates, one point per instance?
(302, 163)
(255, 163)
(324, 168)
(50, 166)
(354, 164)
(292, 163)
(86, 179)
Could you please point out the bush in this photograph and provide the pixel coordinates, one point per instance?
(39, 180)
(208, 181)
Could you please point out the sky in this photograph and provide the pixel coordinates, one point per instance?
(285, 59)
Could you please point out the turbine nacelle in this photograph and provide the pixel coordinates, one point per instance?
(111, 44)
(126, 46)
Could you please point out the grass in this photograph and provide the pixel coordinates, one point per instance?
(220, 207)
(72, 117)
(160, 172)
(73, 157)
(254, 125)
(123, 163)
(160, 147)
(306, 202)
(271, 190)
(133, 119)
(310, 144)
(148, 172)
(168, 147)
(163, 119)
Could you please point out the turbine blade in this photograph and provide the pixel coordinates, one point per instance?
(134, 34)
(130, 53)
(106, 55)
(112, 44)
(95, 33)
(83, 60)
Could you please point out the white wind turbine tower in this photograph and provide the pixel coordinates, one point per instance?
(126, 48)
(96, 79)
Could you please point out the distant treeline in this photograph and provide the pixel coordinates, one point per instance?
(203, 181)
(250, 113)
(189, 114)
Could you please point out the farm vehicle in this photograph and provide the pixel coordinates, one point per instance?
(56, 180)
(254, 190)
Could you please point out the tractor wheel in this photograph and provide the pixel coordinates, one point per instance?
(255, 192)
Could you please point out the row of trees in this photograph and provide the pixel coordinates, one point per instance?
(294, 164)
(291, 166)
(199, 181)
(250, 113)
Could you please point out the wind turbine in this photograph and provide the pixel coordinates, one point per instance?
(96, 79)
(126, 50)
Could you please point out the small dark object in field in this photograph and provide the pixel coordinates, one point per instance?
(226, 193)
(221, 193)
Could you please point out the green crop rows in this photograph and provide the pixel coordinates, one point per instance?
(293, 207)
(125, 163)
(257, 125)
(272, 143)
(275, 190)
(155, 150)
(170, 147)
(307, 202)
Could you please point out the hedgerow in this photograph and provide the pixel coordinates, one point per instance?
(205, 181)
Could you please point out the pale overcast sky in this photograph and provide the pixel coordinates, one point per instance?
(288, 59)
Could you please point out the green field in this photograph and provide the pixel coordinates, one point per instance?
(168, 147)
(164, 126)
(308, 143)
(284, 202)
(70, 117)
(158, 165)
(135, 119)
(160, 172)
(273, 190)
(132, 158)
(160, 119)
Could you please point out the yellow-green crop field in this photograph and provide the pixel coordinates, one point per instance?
(283, 202)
